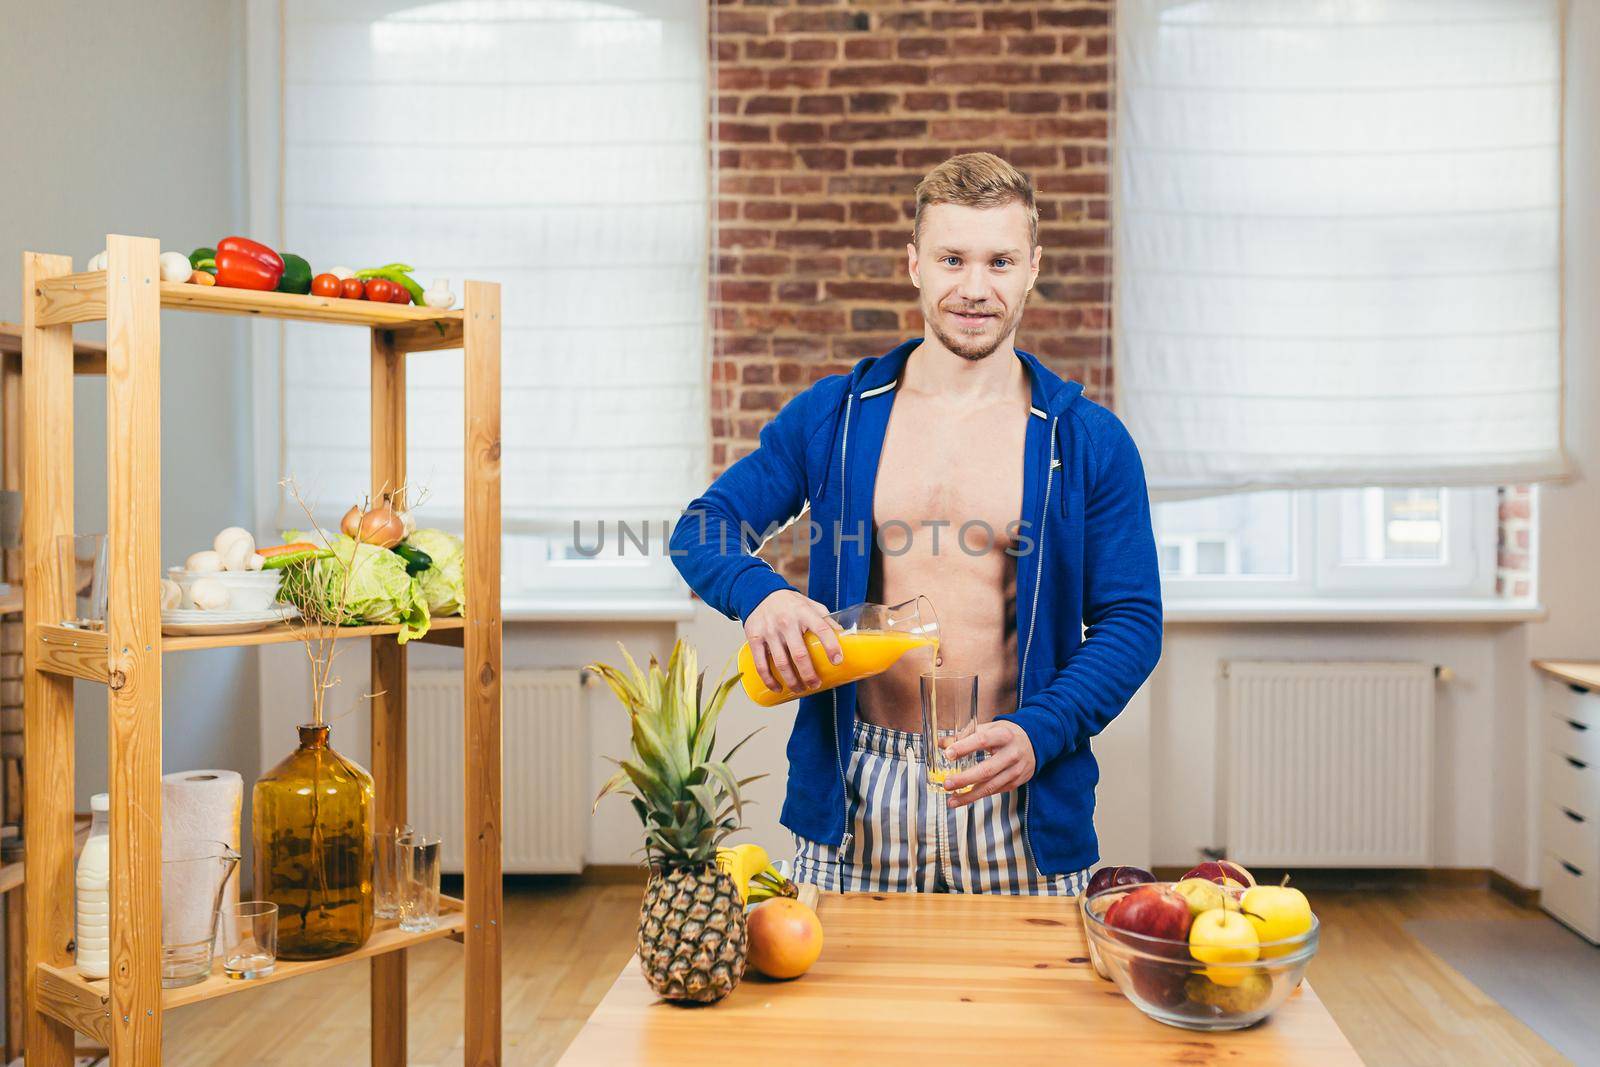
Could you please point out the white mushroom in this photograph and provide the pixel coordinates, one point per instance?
(171, 594)
(256, 561)
(236, 555)
(208, 594)
(233, 533)
(175, 267)
(206, 562)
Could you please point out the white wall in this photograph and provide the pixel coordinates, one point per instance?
(124, 118)
(127, 118)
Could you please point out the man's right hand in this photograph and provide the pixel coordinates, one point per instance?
(777, 628)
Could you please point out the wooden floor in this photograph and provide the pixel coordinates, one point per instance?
(565, 942)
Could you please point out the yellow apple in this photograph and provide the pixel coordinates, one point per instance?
(1224, 936)
(1278, 913)
(1202, 895)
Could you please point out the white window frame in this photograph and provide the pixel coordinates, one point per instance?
(1320, 571)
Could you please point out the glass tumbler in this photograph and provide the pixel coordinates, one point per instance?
(949, 711)
(251, 947)
(386, 871)
(419, 883)
(83, 578)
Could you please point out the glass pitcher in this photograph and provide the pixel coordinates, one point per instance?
(872, 636)
(193, 874)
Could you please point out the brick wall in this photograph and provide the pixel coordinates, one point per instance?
(825, 115)
(1514, 560)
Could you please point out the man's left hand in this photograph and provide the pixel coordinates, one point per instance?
(1008, 765)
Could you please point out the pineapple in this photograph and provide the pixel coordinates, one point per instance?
(691, 921)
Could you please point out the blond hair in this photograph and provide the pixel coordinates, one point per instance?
(976, 179)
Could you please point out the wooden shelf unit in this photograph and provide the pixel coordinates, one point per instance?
(125, 1012)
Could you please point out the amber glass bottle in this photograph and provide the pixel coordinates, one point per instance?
(312, 830)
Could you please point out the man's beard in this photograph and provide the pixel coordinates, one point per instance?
(974, 347)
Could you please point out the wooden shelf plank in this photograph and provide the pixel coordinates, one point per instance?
(287, 632)
(82, 653)
(72, 652)
(82, 298)
(85, 1004)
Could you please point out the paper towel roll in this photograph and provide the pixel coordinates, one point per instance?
(202, 805)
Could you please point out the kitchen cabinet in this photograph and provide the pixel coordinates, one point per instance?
(1569, 817)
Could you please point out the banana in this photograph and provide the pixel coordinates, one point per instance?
(742, 863)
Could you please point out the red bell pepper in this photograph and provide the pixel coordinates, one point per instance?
(246, 264)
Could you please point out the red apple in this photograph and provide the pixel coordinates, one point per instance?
(1162, 984)
(1222, 872)
(1110, 877)
(1151, 911)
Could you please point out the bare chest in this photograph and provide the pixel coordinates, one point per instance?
(959, 473)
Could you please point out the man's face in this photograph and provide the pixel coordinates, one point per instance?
(973, 267)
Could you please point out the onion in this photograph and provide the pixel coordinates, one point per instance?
(382, 526)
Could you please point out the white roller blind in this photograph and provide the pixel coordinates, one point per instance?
(555, 146)
(1338, 242)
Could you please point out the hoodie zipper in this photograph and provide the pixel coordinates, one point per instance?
(838, 571)
(1033, 617)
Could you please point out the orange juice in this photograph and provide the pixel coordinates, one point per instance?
(866, 652)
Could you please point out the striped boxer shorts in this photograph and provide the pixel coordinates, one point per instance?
(904, 839)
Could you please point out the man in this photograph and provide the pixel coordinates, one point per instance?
(958, 468)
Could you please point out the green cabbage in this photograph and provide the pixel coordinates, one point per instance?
(444, 583)
(371, 582)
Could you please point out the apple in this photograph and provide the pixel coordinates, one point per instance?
(1151, 911)
(1223, 936)
(1222, 872)
(1161, 984)
(1111, 877)
(1202, 895)
(1278, 913)
(1241, 999)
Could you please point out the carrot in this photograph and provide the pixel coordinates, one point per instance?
(293, 546)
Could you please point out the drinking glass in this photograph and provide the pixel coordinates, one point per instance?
(83, 578)
(419, 884)
(251, 948)
(386, 871)
(949, 711)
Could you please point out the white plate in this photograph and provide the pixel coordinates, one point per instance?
(184, 622)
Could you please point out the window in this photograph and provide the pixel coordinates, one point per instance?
(555, 146)
(1371, 542)
(1337, 225)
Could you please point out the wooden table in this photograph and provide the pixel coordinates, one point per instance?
(895, 986)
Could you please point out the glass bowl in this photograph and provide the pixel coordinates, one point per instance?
(1168, 984)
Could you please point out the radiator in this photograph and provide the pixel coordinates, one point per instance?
(1327, 764)
(545, 744)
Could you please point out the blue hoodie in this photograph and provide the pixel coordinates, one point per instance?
(1088, 592)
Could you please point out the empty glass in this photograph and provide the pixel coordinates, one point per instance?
(386, 871)
(949, 711)
(193, 874)
(419, 882)
(250, 929)
(83, 576)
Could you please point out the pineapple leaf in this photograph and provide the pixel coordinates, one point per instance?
(725, 778)
(614, 784)
(728, 755)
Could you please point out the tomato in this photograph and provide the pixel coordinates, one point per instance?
(380, 290)
(351, 289)
(401, 296)
(325, 285)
